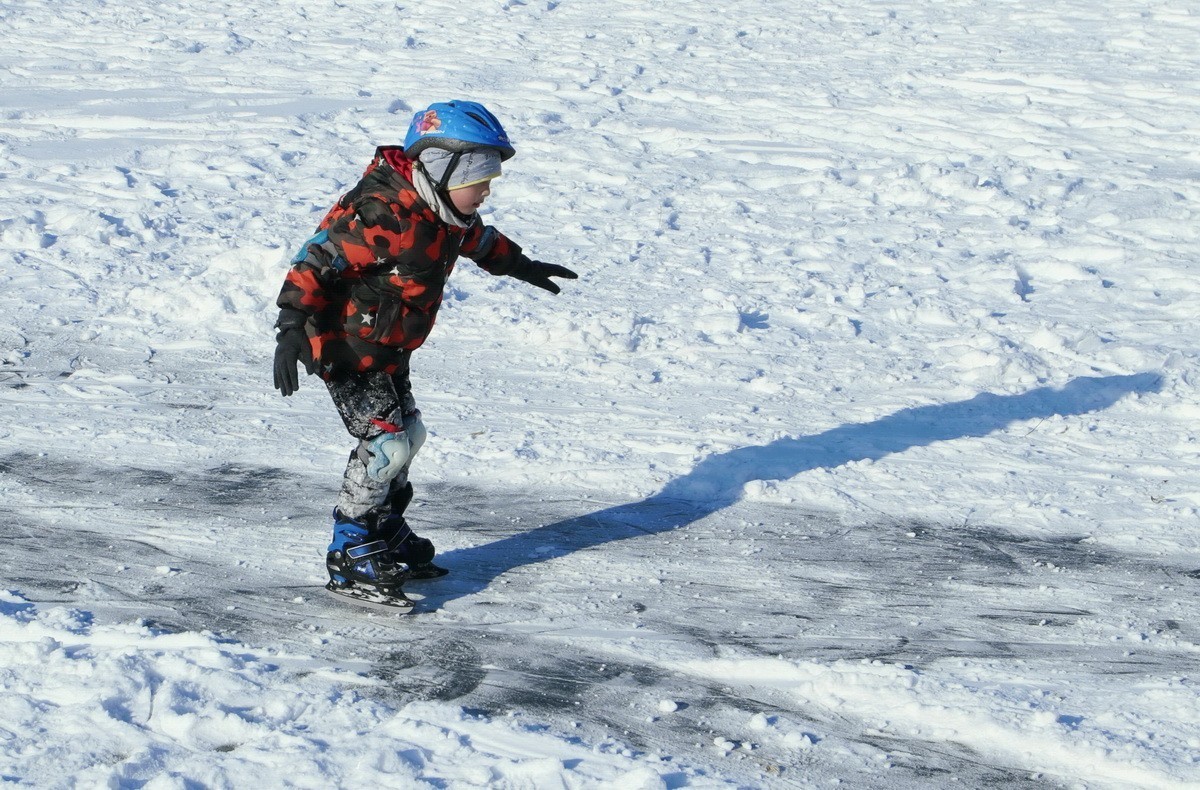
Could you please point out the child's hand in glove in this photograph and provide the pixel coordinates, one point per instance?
(288, 345)
(539, 274)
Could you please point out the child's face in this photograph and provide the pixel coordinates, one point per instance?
(468, 199)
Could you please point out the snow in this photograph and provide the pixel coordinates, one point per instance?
(863, 452)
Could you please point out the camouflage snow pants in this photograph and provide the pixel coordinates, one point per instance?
(361, 398)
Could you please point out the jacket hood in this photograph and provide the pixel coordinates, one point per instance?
(394, 156)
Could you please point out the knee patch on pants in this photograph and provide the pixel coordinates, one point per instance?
(387, 456)
(415, 428)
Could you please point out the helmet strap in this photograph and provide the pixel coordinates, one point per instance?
(444, 182)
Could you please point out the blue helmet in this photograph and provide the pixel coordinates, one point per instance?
(456, 126)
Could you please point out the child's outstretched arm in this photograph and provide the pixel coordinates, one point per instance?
(497, 254)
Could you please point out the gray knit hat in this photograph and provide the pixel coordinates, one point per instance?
(480, 164)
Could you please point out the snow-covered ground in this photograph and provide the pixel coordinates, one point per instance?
(864, 450)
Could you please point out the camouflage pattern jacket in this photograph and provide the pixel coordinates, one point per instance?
(371, 280)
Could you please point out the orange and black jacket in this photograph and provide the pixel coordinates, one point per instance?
(371, 280)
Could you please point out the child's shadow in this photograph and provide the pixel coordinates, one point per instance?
(718, 480)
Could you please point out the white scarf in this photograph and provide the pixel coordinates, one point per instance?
(429, 194)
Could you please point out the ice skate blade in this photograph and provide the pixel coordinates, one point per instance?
(397, 603)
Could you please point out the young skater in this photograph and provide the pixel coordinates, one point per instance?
(362, 295)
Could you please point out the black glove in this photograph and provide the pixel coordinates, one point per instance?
(289, 344)
(539, 274)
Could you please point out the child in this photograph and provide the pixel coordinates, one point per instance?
(362, 295)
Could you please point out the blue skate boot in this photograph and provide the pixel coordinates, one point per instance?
(363, 566)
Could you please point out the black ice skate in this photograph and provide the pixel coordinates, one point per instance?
(411, 550)
(408, 547)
